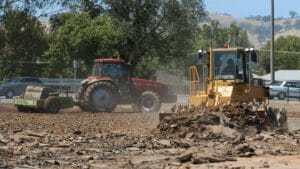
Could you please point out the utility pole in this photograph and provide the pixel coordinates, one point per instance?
(272, 43)
(75, 65)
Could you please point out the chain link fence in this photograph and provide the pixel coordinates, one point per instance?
(15, 86)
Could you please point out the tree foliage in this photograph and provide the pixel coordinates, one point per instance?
(32, 7)
(286, 56)
(293, 14)
(156, 27)
(214, 36)
(151, 35)
(23, 42)
(84, 38)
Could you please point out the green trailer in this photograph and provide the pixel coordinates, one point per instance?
(43, 99)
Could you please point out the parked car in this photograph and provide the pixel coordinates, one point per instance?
(285, 89)
(15, 86)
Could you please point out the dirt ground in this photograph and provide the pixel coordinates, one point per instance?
(75, 139)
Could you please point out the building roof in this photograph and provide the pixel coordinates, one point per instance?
(282, 75)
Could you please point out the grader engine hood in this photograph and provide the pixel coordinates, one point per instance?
(225, 91)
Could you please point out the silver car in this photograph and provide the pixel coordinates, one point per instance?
(285, 89)
(15, 86)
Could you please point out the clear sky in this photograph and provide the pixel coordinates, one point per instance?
(243, 8)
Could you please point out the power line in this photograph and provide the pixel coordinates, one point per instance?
(281, 51)
(277, 51)
(10, 61)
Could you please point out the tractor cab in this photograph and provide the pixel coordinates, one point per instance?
(115, 69)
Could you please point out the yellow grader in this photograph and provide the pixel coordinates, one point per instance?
(229, 80)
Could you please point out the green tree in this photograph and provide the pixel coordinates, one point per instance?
(92, 7)
(36, 8)
(23, 41)
(157, 28)
(293, 14)
(214, 36)
(84, 38)
(286, 56)
(138, 30)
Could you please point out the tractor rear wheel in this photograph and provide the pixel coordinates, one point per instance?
(100, 97)
(52, 104)
(148, 102)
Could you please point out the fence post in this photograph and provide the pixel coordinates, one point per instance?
(75, 64)
(288, 94)
(299, 94)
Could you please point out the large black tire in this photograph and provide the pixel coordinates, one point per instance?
(100, 97)
(52, 104)
(148, 102)
(281, 96)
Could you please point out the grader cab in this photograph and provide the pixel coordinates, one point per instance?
(229, 78)
(229, 81)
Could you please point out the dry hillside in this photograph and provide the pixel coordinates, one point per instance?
(258, 30)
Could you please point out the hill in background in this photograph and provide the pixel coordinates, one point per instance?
(258, 27)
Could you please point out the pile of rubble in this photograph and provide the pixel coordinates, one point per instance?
(225, 132)
(249, 119)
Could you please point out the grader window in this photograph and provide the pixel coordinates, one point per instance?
(225, 65)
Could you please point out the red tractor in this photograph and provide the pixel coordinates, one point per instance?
(110, 84)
